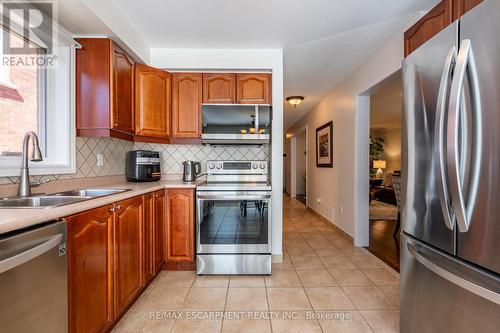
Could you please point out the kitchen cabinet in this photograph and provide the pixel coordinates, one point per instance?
(186, 106)
(104, 90)
(180, 225)
(152, 104)
(90, 270)
(253, 88)
(148, 238)
(128, 252)
(438, 18)
(159, 231)
(219, 88)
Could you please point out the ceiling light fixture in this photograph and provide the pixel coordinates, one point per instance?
(295, 100)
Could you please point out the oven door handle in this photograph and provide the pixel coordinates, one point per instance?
(233, 196)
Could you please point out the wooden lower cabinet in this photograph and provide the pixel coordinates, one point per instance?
(148, 239)
(159, 231)
(180, 225)
(90, 270)
(128, 252)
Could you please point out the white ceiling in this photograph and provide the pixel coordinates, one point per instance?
(323, 40)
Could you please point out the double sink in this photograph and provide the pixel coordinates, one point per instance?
(57, 199)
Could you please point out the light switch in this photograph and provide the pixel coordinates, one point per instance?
(100, 160)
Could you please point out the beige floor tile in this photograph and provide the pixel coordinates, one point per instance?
(328, 252)
(143, 322)
(351, 250)
(286, 265)
(174, 279)
(344, 322)
(241, 281)
(328, 298)
(320, 277)
(246, 325)
(282, 278)
(383, 321)
(162, 298)
(392, 292)
(197, 326)
(337, 262)
(363, 261)
(369, 298)
(301, 325)
(350, 278)
(246, 299)
(300, 250)
(287, 298)
(211, 281)
(306, 263)
(381, 277)
(205, 299)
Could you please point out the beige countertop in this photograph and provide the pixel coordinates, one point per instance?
(14, 219)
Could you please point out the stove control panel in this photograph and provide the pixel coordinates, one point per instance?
(237, 167)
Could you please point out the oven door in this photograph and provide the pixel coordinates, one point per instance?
(233, 222)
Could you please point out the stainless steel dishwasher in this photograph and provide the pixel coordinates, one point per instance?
(33, 280)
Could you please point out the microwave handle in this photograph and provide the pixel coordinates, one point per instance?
(234, 197)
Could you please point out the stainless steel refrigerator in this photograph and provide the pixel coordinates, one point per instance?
(450, 241)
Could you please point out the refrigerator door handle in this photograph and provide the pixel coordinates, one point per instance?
(442, 182)
(464, 206)
(453, 278)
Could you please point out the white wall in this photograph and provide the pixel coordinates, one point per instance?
(345, 186)
(242, 60)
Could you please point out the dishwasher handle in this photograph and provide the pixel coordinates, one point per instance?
(25, 256)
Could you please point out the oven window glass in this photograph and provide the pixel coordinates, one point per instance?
(234, 222)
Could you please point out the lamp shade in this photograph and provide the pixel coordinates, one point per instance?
(379, 164)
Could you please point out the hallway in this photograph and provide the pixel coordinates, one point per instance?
(324, 283)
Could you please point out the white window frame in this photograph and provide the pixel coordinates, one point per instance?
(59, 134)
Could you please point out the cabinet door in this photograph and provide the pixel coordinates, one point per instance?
(460, 7)
(186, 105)
(219, 88)
(90, 270)
(429, 25)
(152, 102)
(148, 238)
(180, 225)
(128, 251)
(159, 230)
(254, 88)
(122, 91)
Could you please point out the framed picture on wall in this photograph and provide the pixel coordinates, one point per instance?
(324, 146)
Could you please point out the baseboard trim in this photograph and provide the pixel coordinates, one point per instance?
(321, 217)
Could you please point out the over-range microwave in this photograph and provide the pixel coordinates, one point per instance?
(236, 124)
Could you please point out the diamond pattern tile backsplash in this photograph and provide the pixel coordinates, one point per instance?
(115, 150)
(172, 156)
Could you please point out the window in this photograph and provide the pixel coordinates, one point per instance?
(39, 99)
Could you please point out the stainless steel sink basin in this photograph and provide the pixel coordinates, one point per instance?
(40, 201)
(91, 193)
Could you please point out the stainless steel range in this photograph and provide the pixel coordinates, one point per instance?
(233, 231)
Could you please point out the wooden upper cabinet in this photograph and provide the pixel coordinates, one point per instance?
(152, 102)
(219, 88)
(253, 88)
(104, 89)
(159, 230)
(90, 270)
(460, 7)
(128, 256)
(122, 67)
(186, 105)
(180, 225)
(429, 25)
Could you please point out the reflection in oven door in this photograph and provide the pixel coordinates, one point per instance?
(233, 226)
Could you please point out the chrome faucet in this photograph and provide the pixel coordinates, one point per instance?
(36, 156)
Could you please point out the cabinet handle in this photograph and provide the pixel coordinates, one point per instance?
(112, 209)
(118, 206)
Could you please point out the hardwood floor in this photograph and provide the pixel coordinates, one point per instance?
(382, 243)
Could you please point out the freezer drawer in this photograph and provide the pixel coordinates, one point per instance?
(422, 215)
(441, 294)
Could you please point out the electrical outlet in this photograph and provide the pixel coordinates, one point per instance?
(100, 160)
(341, 210)
(318, 201)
